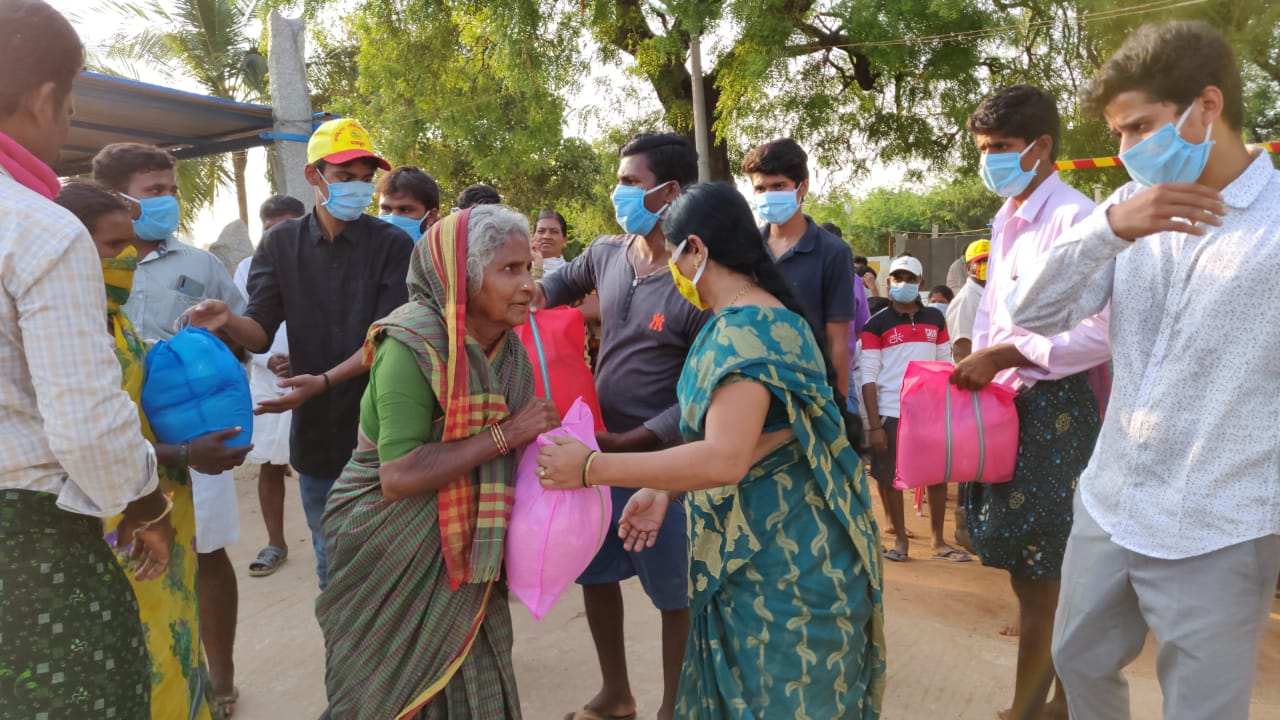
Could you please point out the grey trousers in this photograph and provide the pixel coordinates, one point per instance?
(1207, 613)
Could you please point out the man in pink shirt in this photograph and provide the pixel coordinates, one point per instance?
(1022, 525)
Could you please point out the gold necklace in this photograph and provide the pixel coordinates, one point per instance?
(741, 292)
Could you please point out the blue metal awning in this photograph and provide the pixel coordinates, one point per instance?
(111, 110)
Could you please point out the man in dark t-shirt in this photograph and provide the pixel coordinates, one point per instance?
(330, 274)
(647, 330)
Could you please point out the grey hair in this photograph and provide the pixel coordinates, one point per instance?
(489, 228)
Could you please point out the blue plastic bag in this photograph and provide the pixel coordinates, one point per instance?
(195, 386)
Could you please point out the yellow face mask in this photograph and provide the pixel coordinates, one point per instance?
(118, 274)
(688, 288)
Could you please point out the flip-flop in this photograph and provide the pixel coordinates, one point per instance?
(224, 705)
(269, 560)
(589, 714)
(895, 555)
(952, 555)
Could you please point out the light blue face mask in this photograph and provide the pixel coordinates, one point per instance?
(158, 219)
(1003, 174)
(777, 206)
(1165, 157)
(630, 212)
(410, 225)
(347, 200)
(905, 293)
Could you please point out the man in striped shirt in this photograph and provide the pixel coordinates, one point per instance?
(893, 337)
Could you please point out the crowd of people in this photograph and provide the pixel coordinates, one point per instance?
(749, 397)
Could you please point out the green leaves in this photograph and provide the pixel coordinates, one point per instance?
(869, 219)
(210, 41)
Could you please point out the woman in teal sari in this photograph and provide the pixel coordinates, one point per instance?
(784, 568)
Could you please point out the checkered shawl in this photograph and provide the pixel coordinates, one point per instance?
(474, 508)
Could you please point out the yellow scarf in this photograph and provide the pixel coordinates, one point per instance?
(130, 351)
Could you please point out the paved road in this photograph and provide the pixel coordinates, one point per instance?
(947, 660)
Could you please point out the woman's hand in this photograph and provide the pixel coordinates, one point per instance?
(642, 518)
(536, 417)
(560, 464)
(210, 455)
(152, 547)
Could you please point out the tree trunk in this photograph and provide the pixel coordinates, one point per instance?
(239, 160)
(674, 87)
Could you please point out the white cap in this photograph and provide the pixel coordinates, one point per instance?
(908, 263)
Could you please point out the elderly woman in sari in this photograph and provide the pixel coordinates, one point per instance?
(785, 567)
(415, 618)
(167, 604)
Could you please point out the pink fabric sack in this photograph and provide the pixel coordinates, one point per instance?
(946, 434)
(554, 534)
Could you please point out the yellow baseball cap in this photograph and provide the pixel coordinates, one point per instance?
(977, 250)
(341, 141)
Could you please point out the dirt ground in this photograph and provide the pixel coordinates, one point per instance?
(947, 660)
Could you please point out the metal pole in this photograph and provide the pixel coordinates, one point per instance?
(700, 131)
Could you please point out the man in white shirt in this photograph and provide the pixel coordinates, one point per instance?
(963, 310)
(270, 430)
(71, 445)
(1178, 513)
(171, 277)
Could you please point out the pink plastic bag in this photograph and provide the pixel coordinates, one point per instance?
(946, 434)
(554, 534)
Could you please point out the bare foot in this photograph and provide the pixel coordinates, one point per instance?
(600, 707)
(891, 530)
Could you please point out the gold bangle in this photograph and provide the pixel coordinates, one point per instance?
(586, 467)
(168, 508)
(499, 439)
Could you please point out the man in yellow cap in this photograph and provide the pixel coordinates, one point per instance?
(964, 308)
(330, 274)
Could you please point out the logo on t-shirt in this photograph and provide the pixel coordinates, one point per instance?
(896, 337)
(931, 333)
(657, 322)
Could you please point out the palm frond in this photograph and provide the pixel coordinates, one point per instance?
(199, 182)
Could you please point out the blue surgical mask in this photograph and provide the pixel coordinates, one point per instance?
(1003, 174)
(412, 226)
(905, 293)
(158, 219)
(347, 200)
(630, 212)
(777, 206)
(1165, 157)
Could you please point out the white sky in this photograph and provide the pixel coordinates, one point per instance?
(606, 86)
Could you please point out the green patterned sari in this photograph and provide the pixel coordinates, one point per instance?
(784, 568)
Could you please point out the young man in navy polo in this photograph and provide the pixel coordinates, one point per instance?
(817, 265)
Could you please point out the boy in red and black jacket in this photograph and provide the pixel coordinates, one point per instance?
(906, 330)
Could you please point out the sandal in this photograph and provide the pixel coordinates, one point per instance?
(269, 559)
(895, 555)
(952, 555)
(224, 705)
